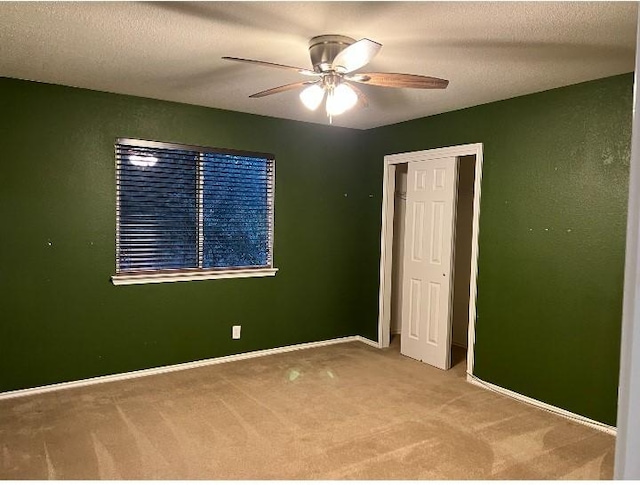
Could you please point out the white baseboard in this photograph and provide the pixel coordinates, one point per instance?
(290, 348)
(542, 405)
(367, 341)
(179, 367)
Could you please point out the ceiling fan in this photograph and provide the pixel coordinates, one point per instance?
(335, 58)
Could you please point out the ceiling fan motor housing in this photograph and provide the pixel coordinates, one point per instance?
(324, 48)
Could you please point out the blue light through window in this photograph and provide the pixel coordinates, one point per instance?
(236, 211)
(185, 209)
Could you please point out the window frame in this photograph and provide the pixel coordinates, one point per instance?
(191, 274)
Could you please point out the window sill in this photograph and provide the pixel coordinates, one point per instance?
(139, 279)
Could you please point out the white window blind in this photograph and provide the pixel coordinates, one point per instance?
(188, 210)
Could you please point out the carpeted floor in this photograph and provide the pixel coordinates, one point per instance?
(345, 411)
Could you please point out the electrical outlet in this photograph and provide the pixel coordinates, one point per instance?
(235, 332)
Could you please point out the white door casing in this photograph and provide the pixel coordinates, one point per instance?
(386, 236)
(428, 258)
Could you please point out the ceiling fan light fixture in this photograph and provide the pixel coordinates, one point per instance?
(340, 99)
(312, 96)
(335, 59)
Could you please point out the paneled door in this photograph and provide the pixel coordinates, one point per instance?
(428, 258)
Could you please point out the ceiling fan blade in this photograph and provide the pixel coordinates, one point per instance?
(300, 70)
(395, 80)
(280, 89)
(355, 56)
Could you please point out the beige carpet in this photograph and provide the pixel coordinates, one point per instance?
(345, 411)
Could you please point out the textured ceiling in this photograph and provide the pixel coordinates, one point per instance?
(165, 50)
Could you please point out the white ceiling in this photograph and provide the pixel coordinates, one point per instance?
(172, 50)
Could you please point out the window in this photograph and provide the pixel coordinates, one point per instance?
(189, 213)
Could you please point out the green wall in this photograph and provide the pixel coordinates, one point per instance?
(551, 254)
(552, 236)
(62, 319)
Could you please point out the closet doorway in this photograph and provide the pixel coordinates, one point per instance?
(429, 243)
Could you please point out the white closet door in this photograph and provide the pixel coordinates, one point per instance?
(427, 265)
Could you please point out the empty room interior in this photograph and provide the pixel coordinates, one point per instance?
(316, 240)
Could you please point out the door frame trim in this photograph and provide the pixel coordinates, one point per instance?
(386, 236)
